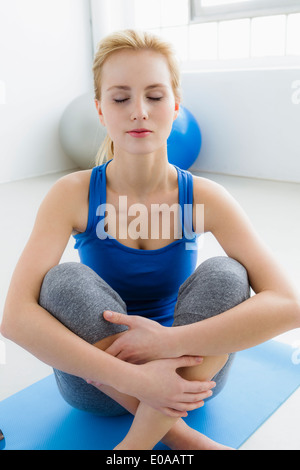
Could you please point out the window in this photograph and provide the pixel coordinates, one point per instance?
(215, 10)
(268, 34)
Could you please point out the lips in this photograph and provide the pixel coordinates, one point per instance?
(139, 133)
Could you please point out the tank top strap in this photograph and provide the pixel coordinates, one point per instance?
(185, 188)
(97, 195)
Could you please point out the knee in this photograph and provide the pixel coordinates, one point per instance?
(76, 296)
(72, 284)
(226, 272)
(217, 285)
(225, 281)
(61, 282)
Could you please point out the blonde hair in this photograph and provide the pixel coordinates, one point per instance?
(134, 40)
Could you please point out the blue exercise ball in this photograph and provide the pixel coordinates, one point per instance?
(184, 142)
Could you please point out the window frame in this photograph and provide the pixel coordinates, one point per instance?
(249, 9)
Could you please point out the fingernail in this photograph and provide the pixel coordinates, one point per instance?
(108, 314)
(199, 359)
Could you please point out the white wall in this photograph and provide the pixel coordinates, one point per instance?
(250, 121)
(111, 15)
(250, 118)
(45, 62)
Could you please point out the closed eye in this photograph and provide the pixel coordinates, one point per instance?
(121, 101)
(149, 98)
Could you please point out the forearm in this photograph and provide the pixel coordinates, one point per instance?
(46, 338)
(254, 321)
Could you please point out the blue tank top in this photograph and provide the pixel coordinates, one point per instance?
(147, 280)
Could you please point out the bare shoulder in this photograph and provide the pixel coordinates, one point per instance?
(220, 207)
(78, 181)
(206, 189)
(70, 196)
(228, 222)
(210, 193)
(64, 208)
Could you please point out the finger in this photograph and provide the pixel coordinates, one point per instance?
(188, 361)
(188, 406)
(181, 409)
(173, 413)
(118, 318)
(196, 386)
(197, 398)
(192, 406)
(114, 349)
(201, 392)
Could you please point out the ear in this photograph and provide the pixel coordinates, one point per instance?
(99, 111)
(176, 110)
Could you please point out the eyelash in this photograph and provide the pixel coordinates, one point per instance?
(126, 99)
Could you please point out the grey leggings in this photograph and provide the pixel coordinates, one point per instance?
(75, 295)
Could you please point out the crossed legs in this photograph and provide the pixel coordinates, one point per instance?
(151, 426)
(76, 296)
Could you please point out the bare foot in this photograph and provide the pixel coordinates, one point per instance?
(183, 438)
(186, 438)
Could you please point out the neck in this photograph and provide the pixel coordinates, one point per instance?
(139, 175)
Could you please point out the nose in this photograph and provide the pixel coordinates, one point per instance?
(139, 111)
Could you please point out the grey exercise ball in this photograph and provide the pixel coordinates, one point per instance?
(81, 133)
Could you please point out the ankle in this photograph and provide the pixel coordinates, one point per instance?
(174, 436)
(128, 444)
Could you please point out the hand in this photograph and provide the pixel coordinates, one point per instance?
(145, 340)
(159, 386)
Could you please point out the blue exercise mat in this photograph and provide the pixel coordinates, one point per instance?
(261, 379)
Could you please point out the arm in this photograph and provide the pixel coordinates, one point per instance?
(275, 307)
(273, 310)
(26, 323)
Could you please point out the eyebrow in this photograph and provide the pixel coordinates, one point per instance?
(124, 87)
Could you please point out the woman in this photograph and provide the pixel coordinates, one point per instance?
(105, 324)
